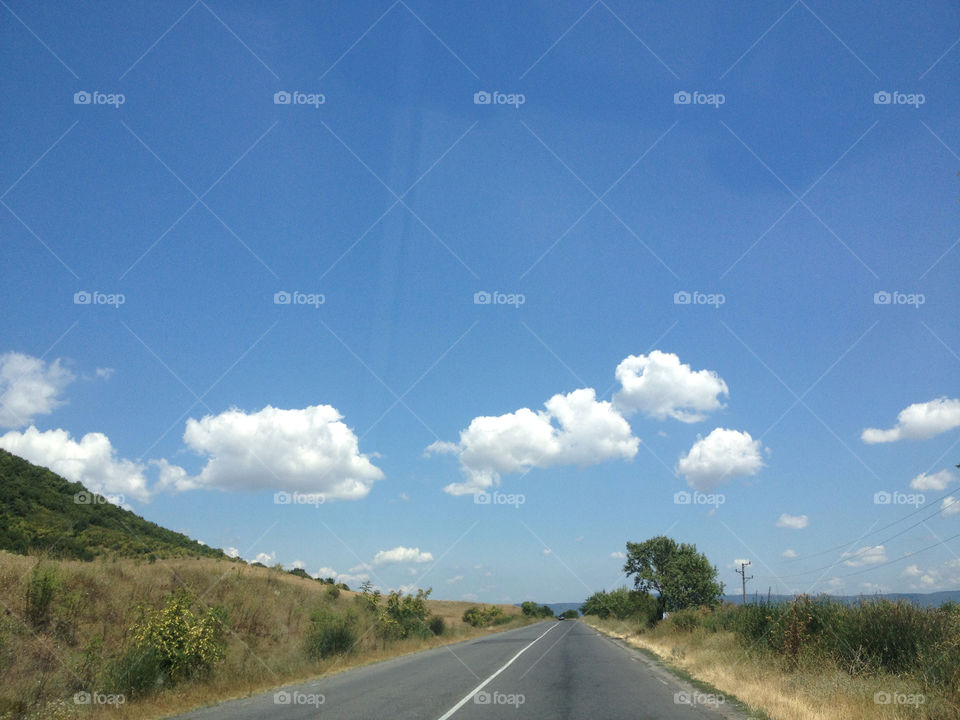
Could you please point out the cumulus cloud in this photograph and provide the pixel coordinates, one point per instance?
(28, 387)
(92, 460)
(937, 481)
(950, 506)
(660, 386)
(573, 429)
(867, 555)
(401, 554)
(232, 552)
(918, 422)
(789, 554)
(793, 522)
(306, 450)
(267, 559)
(721, 455)
(616, 554)
(105, 373)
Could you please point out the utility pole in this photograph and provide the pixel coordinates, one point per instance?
(742, 572)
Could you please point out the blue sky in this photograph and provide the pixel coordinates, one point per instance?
(811, 177)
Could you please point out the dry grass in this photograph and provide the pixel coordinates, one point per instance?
(814, 690)
(96, 604)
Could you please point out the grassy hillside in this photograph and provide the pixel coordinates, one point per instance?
(41, 512)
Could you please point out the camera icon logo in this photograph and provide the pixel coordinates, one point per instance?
(882, 298)
(82, 298)
(682, 497)
(681, 98)
(481, 298)
(82, 698)
(481, 98)
(481, 498)
(882, 698)
(482, 698)
(881, 98)
(81, 98)
(83, 498)
(281, 298)
(882, 498)
(281, 98)
(281, 498)
(282, 698)
(681, 298)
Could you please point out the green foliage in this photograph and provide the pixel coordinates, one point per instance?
(531, 609)
(300, 572)
(333, 592)
(177, 642)
(681, 576)
(405, 616)
(437, 625)
(622, 604)
(330, 634)
(570, 614)
(42, 586)
(42, 512)
(481, 617)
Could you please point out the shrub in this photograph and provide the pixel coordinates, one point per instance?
(333, 591)
(182, 644)
(437, 625)
(329, 634)
(481, 617)
(684, 620)
(41, 588)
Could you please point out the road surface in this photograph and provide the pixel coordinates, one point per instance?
(547, 671)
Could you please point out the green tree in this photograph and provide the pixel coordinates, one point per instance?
(681, 576)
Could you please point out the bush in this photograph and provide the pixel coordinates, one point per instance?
(329, 634)
(182, 644)
(437, 625)
(685, 620)
(333, 591)
(481, 617)
(41, 588)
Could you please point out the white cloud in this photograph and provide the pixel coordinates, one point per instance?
(950, 506)
(938, 481)
(455, 579)
(660, 386)
(29, 386)
(546, 551)
(789, 553)
(867, 555)
(362, 567)
(793, 522)
(92, 460)
(267, 559)
(402, 554)
(326, 572)
(307, 450)
(918, 422)
(618, 555)
(721, 455)
(298, 565)
(573, 429)
(232, 552)
(105, 373)
(741, 561)
(912, 571)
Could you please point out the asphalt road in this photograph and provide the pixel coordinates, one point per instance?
(547, 671)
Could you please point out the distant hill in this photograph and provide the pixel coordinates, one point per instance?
(42, 512)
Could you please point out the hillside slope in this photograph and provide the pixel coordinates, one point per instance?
(41, 512)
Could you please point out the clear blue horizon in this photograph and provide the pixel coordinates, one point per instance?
(568, 258)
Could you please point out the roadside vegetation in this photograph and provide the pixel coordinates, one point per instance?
(129, 638)
(808, 659)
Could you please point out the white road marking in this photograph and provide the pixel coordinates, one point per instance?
(449, 713)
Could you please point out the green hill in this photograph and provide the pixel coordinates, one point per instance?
(41, 512)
